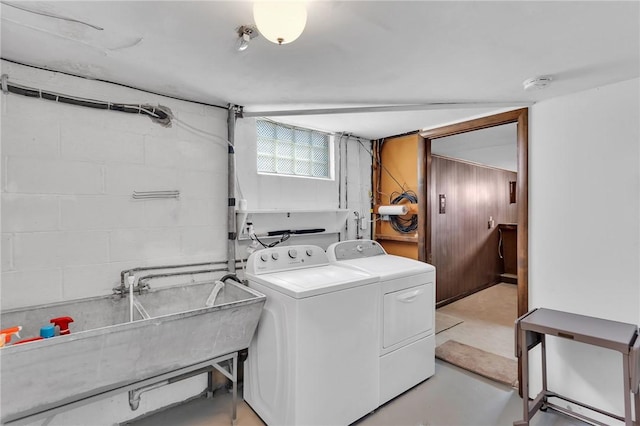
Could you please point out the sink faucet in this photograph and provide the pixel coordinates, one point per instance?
(123, 288)
(135, 285)
(142, 286)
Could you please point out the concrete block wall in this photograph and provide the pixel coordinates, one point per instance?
(273, 192)
(356, 160)
(349, 189)
(69, 223)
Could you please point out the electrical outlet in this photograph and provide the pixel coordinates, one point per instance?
(363, 223)
(442, 203)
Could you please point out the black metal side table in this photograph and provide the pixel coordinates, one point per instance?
(531, 330)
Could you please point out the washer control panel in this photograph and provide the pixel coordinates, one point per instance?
(285, 258)
(354, 249)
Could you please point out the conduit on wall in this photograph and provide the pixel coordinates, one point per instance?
(158, 114)
(234, 112)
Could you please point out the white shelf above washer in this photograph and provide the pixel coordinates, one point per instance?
(280, 211)
(331, 220)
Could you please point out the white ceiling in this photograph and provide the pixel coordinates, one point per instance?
(351, 53)
(495, 146)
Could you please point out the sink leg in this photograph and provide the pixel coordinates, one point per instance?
(210, 384)
(234, 380)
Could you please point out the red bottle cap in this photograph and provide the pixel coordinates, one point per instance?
(63, 323)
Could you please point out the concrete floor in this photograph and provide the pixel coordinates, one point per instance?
(489, 316)
(452, 397)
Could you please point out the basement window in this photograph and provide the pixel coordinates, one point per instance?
(293, 151)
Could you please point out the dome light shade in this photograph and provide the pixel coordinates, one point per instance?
(280, 22)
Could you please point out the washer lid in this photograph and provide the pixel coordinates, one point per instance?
(307, 282)
(388, 266)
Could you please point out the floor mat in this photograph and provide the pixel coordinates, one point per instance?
(486, 364)
(445, 322)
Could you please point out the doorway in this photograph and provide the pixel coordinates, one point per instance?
(427, 188)
(433, 203)
(472, 174)
(403, 165)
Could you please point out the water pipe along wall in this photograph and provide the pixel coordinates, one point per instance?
(286, 202)
(70, 223)
(108, 353)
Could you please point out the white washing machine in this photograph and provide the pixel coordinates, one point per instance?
(314, 357)
(406, 315)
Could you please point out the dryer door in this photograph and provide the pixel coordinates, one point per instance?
(407, 313)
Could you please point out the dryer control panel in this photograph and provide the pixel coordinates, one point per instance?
(355, 249)
(285, 258)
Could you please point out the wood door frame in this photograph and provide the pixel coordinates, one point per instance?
(426, 187)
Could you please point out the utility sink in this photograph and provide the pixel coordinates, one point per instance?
(106, 350)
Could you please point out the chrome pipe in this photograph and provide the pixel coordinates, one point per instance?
(143, 286)
(150, 268)
(122, 289)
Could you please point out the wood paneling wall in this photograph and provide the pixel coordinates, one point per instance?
(464, 248)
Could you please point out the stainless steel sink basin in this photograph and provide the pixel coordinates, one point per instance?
(106, 351)
(182, 299)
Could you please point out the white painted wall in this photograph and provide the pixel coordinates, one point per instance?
(349, 189)
(356, 165)
(70, 225)
(584, 234)
(264, 192)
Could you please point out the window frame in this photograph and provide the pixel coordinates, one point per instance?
(330, 152)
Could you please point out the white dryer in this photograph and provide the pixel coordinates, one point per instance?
(406, 316)
(314, 357)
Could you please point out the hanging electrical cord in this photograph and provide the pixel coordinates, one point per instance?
(158, 114)
(382, 166)
(217, 139)
(189, 127)
(403, 224)
(114, 83)
(361, 145)
(282, 239)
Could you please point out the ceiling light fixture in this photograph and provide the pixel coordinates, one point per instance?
(537, 83)
(245, 34)
(280, 22)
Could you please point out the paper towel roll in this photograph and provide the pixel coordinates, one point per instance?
(397, 210)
